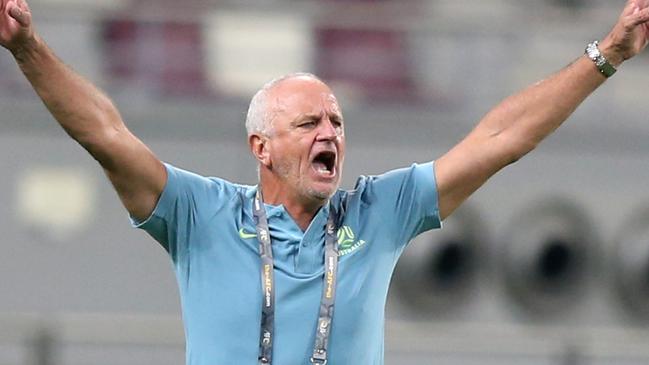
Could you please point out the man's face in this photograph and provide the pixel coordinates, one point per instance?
(307, 140)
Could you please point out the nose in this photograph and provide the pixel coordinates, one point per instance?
(328, 131)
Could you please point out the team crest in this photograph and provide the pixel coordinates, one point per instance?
(347, 242)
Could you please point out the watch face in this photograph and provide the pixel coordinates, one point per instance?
(592, 51)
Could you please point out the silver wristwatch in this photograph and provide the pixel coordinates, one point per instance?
(600, 61)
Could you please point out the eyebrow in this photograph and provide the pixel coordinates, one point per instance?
(313, 115)
(303, 116)
(338, 117)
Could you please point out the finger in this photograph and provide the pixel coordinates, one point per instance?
(630, 7)
(23, 5)
(640, 17)
(21, 16)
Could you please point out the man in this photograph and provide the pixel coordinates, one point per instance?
(245, 303)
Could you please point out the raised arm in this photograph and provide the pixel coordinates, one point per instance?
(517, 125)
(85, 113)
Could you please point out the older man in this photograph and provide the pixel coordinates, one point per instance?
(260, 268)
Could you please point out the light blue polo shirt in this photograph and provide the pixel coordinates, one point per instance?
(206, 225)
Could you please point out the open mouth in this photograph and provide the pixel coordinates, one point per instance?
(324, 163)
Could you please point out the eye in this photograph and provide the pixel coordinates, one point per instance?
(338, 125)
(309, 123)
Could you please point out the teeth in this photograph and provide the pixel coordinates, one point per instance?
(320, 167)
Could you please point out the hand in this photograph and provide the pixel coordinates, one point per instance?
(15, 24)
(630, 34)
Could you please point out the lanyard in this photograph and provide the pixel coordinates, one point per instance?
(268, 288)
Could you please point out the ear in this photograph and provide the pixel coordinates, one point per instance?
(259, 148)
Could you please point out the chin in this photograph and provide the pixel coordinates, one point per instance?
(322, 194)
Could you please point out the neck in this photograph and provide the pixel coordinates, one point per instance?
(299, 209)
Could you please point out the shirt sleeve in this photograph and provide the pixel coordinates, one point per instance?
(405, 200)
(185, 200)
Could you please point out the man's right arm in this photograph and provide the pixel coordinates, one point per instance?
(85, 113)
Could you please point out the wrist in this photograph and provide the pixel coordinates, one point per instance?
(612, 55)
(27, 49)
(603, 65)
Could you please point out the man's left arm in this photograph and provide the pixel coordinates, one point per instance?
(517, 125)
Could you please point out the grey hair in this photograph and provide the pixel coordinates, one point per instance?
(259, 118)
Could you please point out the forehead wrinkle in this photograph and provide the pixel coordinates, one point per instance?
(285, 96)
(330, 104)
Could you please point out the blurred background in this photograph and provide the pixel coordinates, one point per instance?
(546, 264)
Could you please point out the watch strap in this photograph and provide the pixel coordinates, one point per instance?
(607, 69)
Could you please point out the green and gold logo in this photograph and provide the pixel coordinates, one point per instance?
(347, 241)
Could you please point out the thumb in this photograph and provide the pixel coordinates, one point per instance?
(24, 18)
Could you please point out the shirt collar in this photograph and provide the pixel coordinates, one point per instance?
(280, 211)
